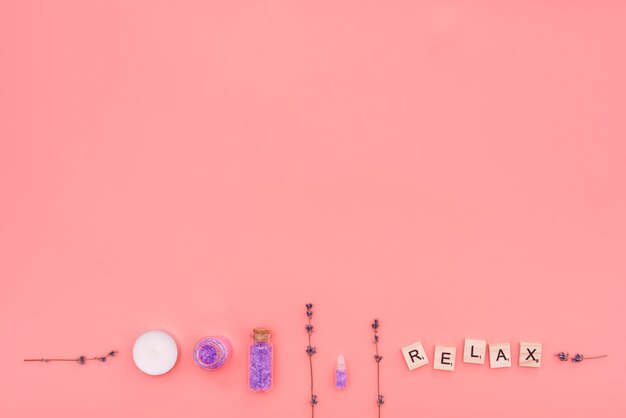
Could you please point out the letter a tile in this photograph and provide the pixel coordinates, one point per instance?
(500, 355)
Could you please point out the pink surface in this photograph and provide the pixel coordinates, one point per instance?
(455, 170)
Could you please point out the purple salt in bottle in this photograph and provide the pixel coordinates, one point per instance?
(211, 353)
(261, 359)
(341, 375)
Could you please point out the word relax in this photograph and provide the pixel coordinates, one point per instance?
(473, 352)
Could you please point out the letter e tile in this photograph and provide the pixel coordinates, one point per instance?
(445, 358)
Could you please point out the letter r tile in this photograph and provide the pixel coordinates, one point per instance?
(414, 355)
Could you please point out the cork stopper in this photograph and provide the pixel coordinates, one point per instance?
(261, 334)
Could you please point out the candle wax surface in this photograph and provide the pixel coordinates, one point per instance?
(155, 352)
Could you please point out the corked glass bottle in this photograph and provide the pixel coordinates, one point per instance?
(260, 369)
(341, 375)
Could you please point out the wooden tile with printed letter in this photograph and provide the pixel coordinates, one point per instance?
(414, 355)
(529, 354)
(500, 355)
(445, 358)
(474, 351)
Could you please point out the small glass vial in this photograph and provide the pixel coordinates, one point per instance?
(341, 375)
(261, 361)
(211, 353)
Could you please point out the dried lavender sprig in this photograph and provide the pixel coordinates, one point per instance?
(310, 350)
(79, 360)
(380, 399)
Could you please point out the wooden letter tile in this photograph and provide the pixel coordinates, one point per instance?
(474, 351)
(500, 355)
(445, 358)
(530, 354)
(414, 355)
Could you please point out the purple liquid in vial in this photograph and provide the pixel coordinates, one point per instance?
(260, 368)
(341, 375)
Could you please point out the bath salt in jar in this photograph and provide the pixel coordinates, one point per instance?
(261, 359)
(211, 353)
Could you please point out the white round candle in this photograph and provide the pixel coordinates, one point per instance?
(155, 352)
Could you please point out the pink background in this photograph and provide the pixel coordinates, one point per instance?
(203, 167)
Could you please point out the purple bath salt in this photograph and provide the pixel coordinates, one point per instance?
(341, 375)
(260, 366)
(212, 352)
(208, 354)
